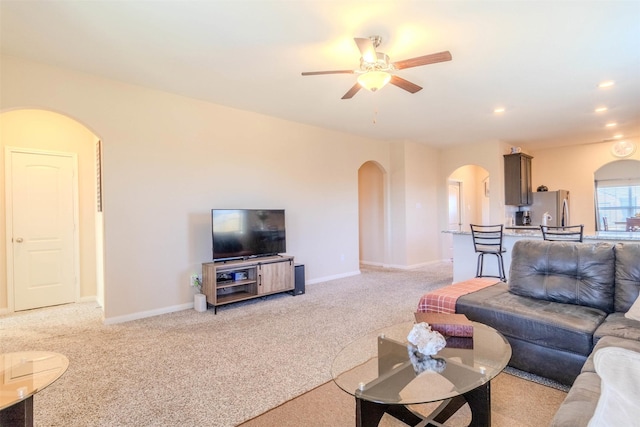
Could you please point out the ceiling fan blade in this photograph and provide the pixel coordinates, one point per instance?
(367, 49)
(404, 84)
(354, 89)
(316, 73)
(423, 60)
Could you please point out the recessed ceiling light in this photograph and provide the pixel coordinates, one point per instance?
(606, 84)
(618, 135)
(601, 109)
(499, 110)
(611, 124)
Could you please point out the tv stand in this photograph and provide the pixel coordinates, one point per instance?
(230, 281)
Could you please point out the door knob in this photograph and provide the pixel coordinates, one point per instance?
(19, 240)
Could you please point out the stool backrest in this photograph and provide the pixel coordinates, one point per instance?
(568, 233)
(487, 238)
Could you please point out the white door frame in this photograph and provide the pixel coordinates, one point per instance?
(9, 217)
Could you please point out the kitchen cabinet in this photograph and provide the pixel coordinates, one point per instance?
(517, 179)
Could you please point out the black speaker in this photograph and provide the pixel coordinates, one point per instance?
(299, 279)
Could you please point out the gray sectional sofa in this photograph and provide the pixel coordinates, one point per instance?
(564, 301)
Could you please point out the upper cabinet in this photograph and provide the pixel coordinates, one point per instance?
(517, 177)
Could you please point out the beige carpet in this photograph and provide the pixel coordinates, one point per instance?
(516, 402)
(200, 369)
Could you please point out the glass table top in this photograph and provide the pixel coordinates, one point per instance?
(383, 367)
(25, 373)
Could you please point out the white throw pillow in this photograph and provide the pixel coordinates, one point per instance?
(619, 370)
(634, 311)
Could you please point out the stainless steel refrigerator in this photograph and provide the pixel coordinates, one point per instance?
(555, 203)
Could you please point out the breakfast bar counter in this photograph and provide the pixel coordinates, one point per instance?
(465, 258)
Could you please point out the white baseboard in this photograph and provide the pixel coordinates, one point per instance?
(333, 277)
(145, 314)
(404, 267)
(373, 264)
(187, 306)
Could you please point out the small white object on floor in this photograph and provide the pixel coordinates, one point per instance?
(200, 302)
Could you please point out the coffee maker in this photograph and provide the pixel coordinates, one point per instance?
(523, 218)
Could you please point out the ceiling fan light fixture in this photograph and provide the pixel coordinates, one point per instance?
(374, 80)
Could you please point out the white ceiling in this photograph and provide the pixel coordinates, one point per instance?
(541, 60)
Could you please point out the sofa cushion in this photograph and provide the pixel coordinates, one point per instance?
(581, 401)
(608, 341)
(574, 273)
(546, 323)
(627, 275)
(619, 371)
(634, 311)
(617, 325)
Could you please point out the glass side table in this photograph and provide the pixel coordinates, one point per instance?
(22, 375)
(384, 374)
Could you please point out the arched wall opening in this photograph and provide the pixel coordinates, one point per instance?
(468, 200)
(617, 196)
(47, 131)
(371, 213)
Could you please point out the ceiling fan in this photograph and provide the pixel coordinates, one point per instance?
(376, 70)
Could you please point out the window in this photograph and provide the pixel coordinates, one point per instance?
(617, 194)
(617, 200)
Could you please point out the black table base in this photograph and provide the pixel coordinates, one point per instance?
(19, 414)
(369, 414)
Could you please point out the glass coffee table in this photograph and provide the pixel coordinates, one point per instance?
(22, 375)
(384, 374)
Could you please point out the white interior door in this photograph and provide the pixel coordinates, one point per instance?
(455, 215)
(41, 218)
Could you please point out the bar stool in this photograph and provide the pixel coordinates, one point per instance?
(568, 233)
(487, 239)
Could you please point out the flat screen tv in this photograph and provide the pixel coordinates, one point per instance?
(246, 233)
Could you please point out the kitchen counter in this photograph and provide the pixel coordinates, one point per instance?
(465, 258)
(616, 236)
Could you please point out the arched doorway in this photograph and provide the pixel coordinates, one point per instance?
(468, 200)
(41, 131)
(371, 214)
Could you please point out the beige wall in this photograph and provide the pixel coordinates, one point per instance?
(473, 200)
(572, 168)
(422, 212)
(414, 214)
(568, 168)
(43, 130)
(168, 160)
(488, 156)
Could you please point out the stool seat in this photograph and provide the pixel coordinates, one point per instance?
(487, 240)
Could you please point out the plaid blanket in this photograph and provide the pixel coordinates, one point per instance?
(443, 300)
